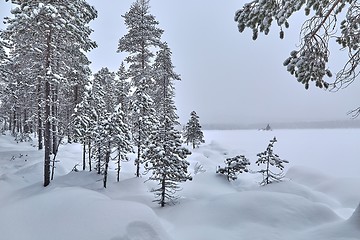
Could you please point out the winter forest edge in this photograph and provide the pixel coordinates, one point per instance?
(50, 98)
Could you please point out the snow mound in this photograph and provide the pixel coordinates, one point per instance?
(199, 187)
(345, 190)
(306, 176)
(77, 213)
(291, 187)
(249, 214)
(277, 210)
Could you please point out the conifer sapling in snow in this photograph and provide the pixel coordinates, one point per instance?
(234, 166)
(269, 158)
(192, 131)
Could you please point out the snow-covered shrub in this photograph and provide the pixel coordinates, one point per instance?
(234, 166)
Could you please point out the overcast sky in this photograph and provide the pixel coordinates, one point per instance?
(226, 76)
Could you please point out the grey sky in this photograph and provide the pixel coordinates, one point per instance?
(226, 76)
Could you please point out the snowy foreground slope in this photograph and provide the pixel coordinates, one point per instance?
(316, 201)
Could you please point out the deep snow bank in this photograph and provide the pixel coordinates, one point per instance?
(77, 213)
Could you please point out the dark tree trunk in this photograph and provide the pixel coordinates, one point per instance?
(89, 154)
(163, 189)
(84, 155)
(99, 161)
(267, 171)
(138, 160)
(10, 122)
(18, 121)
(54, 158)
(47, 132)
(14, 123)
(54, 121)
(26, 124)
(39, 115)
(138, 152)
(118, 166)
(107, 159)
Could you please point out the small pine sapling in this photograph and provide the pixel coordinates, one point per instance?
(192, 131)
(234, 166)
(269, 158)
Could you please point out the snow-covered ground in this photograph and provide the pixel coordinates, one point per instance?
(316, 200)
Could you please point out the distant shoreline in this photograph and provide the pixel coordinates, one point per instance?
(343, 124)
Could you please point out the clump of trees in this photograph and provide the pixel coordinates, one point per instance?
(47, 89)
(44, 72)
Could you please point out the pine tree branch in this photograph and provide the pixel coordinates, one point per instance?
(325, 19)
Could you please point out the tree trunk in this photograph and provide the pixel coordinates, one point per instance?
(39, 115)
(107, 159)
(89, 154)
(163, 189)
(26, 124)
(138, 153)
(84, 155)
(138, 160)
(54, 120)
(118, 166)
(14, 123)
(47, 131)
(99, 161)
(54, 159)
(10, 122)
(267, 171)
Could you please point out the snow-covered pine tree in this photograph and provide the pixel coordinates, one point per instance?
(76, 80)
(85, 120)
(165, 76)
(122, 89)
(121, 139)
(3, 61)
(165, 160)
(192, 132)
(142, 37)
(47, 36)
(234, 166)
(269, 158)
(104, 83)
(165, 156)
(144, 121)
(103, 106)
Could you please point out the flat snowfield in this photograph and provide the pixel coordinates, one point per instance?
(317, 199)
